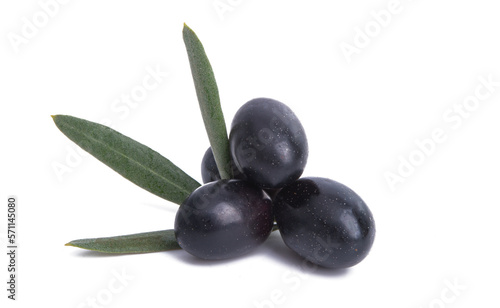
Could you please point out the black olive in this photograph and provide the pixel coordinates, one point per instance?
(224, 219)
(325, 222)
(268, 143)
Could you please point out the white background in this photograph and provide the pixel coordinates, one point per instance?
(437, 228)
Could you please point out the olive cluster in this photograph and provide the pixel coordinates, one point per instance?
(322, 220)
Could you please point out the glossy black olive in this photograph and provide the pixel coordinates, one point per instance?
(210, 172)
(224, 219)
(268, 143)
(325, 222)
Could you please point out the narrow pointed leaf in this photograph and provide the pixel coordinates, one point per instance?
(209, 101)
(131, 159)
(133, 243)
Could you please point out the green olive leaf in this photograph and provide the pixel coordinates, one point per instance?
(131, 159)
(155, 241)
(209, 101)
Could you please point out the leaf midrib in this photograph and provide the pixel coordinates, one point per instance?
(133, 160)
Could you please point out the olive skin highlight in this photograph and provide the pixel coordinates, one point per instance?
(325, 222)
